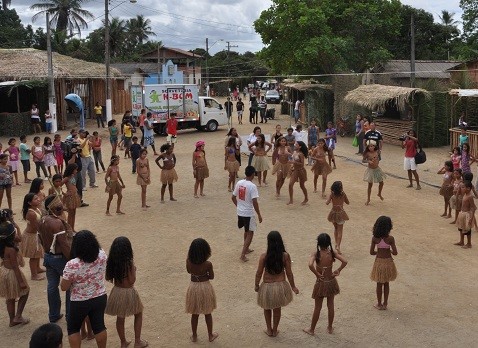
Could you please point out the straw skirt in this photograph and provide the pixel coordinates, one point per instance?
(169, 176)
(201, 173)
(30, 247)
(298, 174)
(337, 216)
(123, 302)
(9, 287)
(141, 182)
(274, 295)
(282, 170)
(463, 221)
(446, 191)
(321, 168)
(114, 187)
(383, 270)
(260, 163)
(232, 166)
(455, 202)
(71, 201)
(200, 298)
(374, 175)
(325, 288)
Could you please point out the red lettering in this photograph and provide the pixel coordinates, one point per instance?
(165, 96)
(188, 96)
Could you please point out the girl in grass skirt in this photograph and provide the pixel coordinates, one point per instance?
(13, 283)
(321, 167)
(200, 168)
(259, 161)
(144, 176)
(200, 296)
(30, 245)
(373, 173)
(124, 300)
(280, 162)
(337, 215)
(168, 173)
(230, 162)
(274, 292)
(384, 270)
(298, 171)
(446, 189)
(320, 263)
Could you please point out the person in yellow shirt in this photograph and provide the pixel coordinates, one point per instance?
(87, 164)
(128, 130)
(99, 115)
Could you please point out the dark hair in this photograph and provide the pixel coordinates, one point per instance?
(120, 260)
(303, 148)
(458, 149)
(337, 188)
(22, 137)
(449, 165)
(70, 169)
(47, 336)
(290, 129)
(230, 132)
(325, 147)
(256, 128)
(56, 177)
(164, 147)
(468, 176)
(263, 140)
(324, 242)
(277, 144)
(199, 251)
(3, 156)
(95, 133)
(46, 141)
(467, 146)
(111, 122)
(274, 261)
(382, 227)
(134, 138)
(36, 138)
(26, 204)
(5, 215)
(143, 110)
(231, 142)
(468, 184)
(85, 246)
(7, 231)
(143, 151)
(414, 134)
(10, 141)
(249, 171)
(35, 185)
(366, 148)
(458, 170)
(49, 199)
(298, 127)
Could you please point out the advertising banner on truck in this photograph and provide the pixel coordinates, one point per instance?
(181, 101)
(136, 100)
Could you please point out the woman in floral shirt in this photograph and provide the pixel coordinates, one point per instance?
(84, 276)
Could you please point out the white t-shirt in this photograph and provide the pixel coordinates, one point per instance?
(252, 139)
(245, 191)
(297, 105)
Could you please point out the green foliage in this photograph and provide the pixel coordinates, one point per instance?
(12, 32)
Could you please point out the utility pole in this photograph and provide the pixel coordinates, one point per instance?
(109, 114)
(207, 68)
(51, 80)
(412, 51)
(194, 68)
(229, 50)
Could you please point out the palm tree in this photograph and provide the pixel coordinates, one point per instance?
(139, 29)
(5, 4)
(67, 14)
(117, 36)
(450, 26)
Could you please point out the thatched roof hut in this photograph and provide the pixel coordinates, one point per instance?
(378, 97)
(31, 64)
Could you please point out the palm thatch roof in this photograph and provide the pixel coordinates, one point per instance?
(29, 64)
(376, 97)
(304, 86)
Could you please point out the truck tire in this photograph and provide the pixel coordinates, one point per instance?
(211, 126)
(158, 129)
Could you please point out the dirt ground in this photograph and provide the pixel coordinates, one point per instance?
(430, 303)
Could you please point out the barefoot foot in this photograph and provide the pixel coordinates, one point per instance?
(38, 277)
(108, 213)
(119, 212)
(213, 336)
(123, 344)
(194, 338)
(378, 306)
(244, 259)
(19, 321)
(304, 202)
(330, 329)
(173, 199)
(309, 331)
(367, 203)
(380, 197)
(290, 202)
(249, 251)
(453, 222)
(268, 333)
(459, 244)
(275, 333)
(141, 344)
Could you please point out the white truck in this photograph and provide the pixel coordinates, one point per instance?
(183, 102)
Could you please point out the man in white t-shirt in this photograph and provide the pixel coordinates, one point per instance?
(245, 199)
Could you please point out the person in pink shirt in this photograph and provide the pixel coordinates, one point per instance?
(410, 143)
(14, 158)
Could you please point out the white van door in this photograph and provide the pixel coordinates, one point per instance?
(212, 114)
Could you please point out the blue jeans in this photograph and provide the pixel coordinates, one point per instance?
(54, 270)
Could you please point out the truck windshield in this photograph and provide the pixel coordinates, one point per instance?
(211, 103)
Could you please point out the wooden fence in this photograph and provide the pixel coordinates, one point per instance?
(392, 129)
(472, 139)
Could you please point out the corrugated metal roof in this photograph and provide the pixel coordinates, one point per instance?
(425, 69)
(131, 68)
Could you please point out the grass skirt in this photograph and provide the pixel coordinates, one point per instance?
(141, 182)
(201, 173)
(232, 166)
(30, 247)
(260, 163)
(462, 221)
(274, 295)
(298, 175)
(446, 191)
(455, 202)
(123, 302)
(321, 168)
(9, 287)
(200, 298)
(282, 170)
(71, 201)
(337, 216)
(113, 187)
(325, 288)
(168, 176)
(374, 175)
(383, 270)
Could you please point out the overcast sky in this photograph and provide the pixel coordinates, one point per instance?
(187, 24)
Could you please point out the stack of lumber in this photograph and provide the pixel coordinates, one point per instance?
(392, 129)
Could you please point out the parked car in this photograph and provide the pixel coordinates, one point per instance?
(272, 97)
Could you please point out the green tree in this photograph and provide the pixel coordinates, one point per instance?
(325, 36)
(12, 33)
(450, 29)
(139, 29)
(117, 37)
(67, 14)
(5, 4)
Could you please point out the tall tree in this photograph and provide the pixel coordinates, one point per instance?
(139, 29)
(12, 32)
(67, 14)
(450, 28)
(117, 36)
(5, 4)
